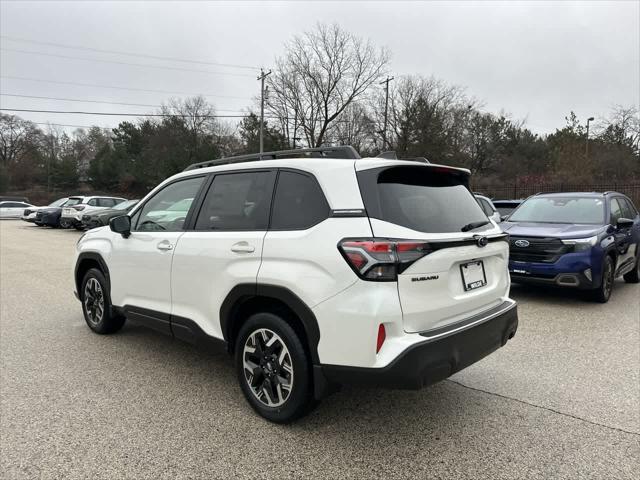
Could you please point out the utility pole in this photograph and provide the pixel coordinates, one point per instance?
(586, 149)
(261, 78)
(386, 109)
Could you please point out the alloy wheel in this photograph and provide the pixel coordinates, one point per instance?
(267, 366)
(93, 301)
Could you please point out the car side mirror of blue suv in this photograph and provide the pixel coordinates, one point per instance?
(624, 223)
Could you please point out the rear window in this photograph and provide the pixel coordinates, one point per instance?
(299, 202)
(588, 210)
(421, 198)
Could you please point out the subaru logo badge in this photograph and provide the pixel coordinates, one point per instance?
(483, 241)
(521, 243)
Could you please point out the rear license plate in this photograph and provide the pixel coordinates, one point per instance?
(473, 275)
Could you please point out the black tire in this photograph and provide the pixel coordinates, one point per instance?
(92, 297)
(299, 400)
(64, 224)
(634, 275)
(603, 292)
(79, 227)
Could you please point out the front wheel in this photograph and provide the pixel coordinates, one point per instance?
(603, 292)
(96, 304)
(273, 368)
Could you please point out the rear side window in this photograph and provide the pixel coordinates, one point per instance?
(628, 209)
(106, 202)
(237, 202)
(94, 202)
(299, 202)
(420, 198)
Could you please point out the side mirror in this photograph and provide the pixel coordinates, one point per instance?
(624, 223)
(121, 225)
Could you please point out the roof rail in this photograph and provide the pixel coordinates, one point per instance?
(344, 151)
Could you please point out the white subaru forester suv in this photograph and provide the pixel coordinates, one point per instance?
(314, 268)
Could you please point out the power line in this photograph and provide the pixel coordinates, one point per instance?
(130, 54)
(74, 126)
(28, 52)
(119, 88)
(116, 114)
(77, 100)
(107, 102)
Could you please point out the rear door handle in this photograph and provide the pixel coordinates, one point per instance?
(164, 246)
(242, 247)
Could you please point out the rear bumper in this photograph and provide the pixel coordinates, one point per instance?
(434, 359)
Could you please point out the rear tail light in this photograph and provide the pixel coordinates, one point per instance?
(382, 335)
(381, 259)
(79, 207)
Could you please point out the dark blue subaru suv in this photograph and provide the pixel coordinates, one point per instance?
(577, 240)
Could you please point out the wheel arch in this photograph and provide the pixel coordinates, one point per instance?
(86, 261)
(246, 299)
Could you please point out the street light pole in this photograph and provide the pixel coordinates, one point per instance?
(261, 78)
(586, 150)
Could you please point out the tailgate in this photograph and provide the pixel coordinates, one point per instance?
(451, 284)
(461, 268)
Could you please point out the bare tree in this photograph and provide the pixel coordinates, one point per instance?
(355, 127)
(323, 72)
(622, 125)
(17, 137)
(197, 114)
(425, 115)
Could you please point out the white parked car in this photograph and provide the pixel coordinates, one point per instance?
(29, 214)
(72, 214)
(313, 272)
(11, 209)
(488, 208)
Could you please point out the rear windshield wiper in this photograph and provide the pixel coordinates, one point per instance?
(474, 225)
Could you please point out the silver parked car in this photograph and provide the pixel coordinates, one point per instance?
(11, 209)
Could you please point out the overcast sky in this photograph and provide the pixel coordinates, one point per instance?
(534, 60)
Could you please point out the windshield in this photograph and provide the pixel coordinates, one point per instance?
(422, 199)
(125, 205)
(589, 210)
(58, 202)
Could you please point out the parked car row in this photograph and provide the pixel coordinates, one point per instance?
(80, 212)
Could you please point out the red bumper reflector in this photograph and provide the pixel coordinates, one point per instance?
(382, 335)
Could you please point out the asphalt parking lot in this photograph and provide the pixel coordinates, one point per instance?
(561, 400)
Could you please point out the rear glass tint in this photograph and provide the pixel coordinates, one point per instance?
(299, 202)
(425, 199)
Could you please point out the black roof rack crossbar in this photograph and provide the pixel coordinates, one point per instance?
(345, 151)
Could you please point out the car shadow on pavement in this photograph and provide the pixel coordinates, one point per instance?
(562, 296)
